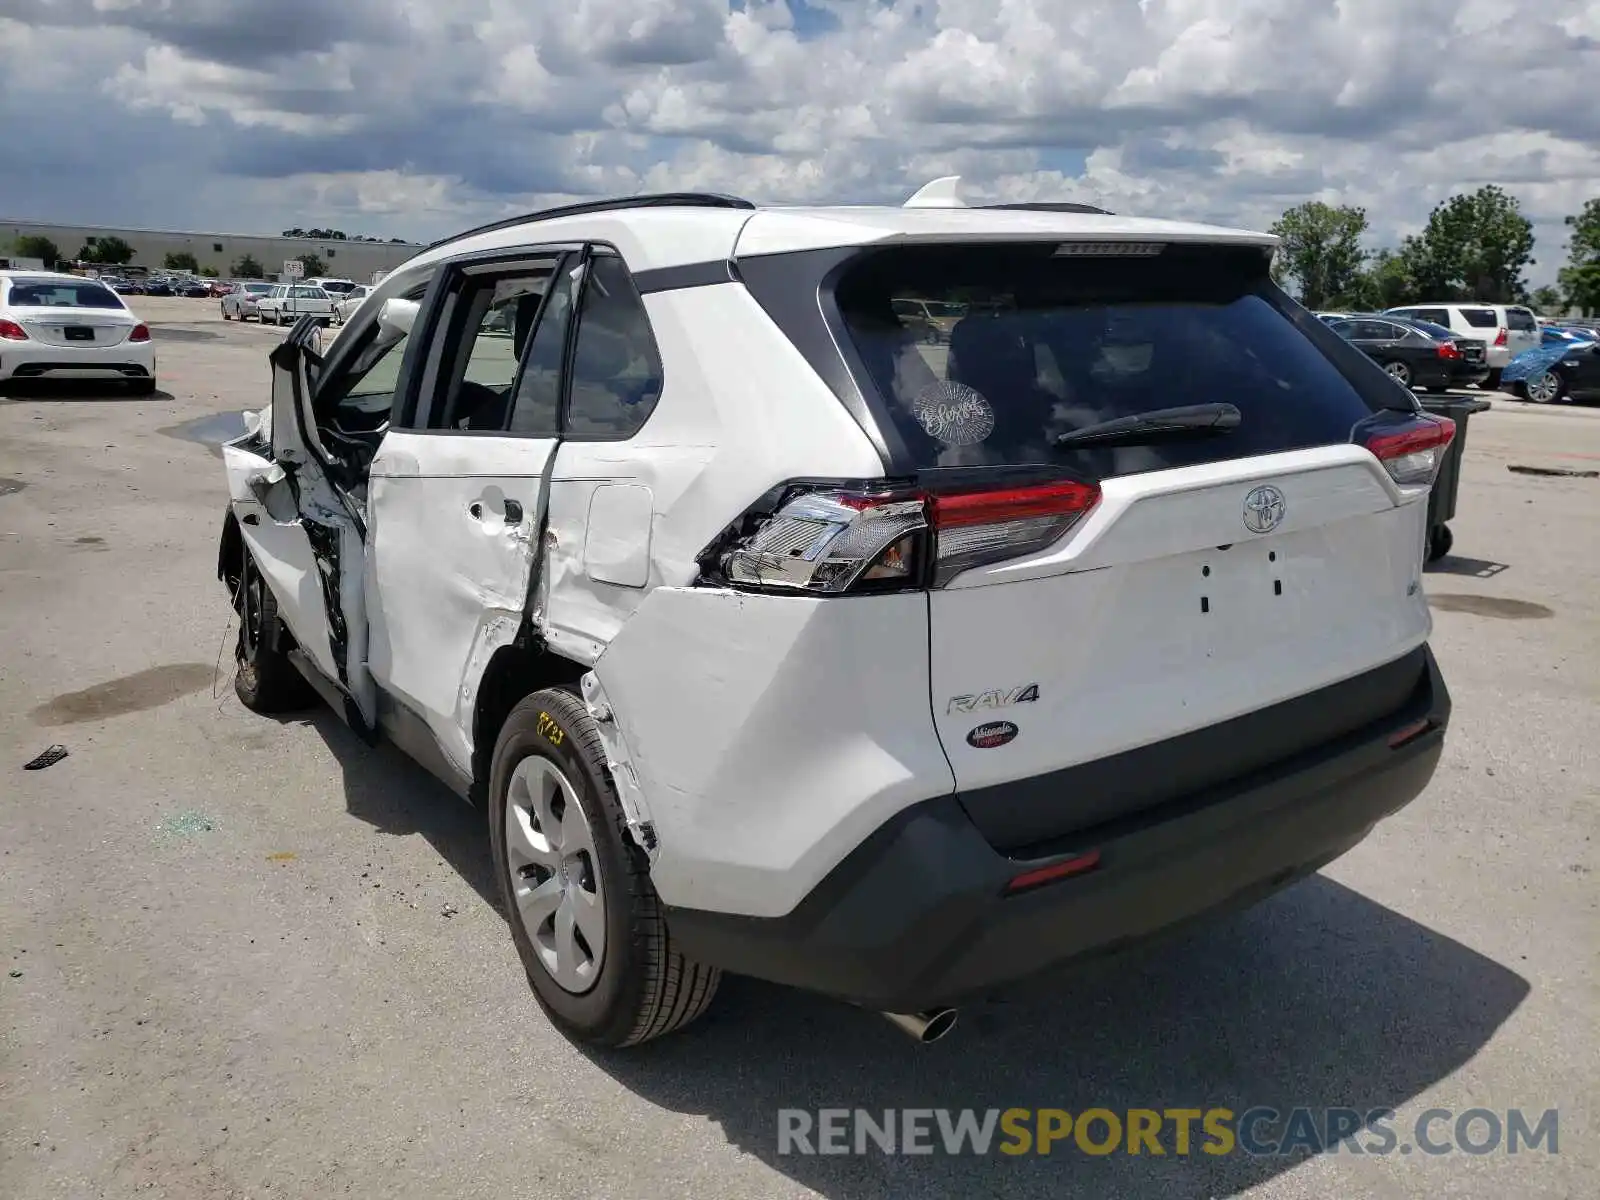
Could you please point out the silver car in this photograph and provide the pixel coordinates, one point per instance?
(240, 304)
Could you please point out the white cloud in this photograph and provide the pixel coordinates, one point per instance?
(427, 116)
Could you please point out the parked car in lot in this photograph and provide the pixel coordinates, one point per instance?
(1416, 353)
(933, 319)
(287, 302)
(240, 304)
(65, 326)
(1110, 617)
(344, 306)
(194, 289)
(158, 286)
(1566, 371)
(333, 286)
(1507, 329)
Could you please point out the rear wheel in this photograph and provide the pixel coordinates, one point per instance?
(1399, 372)
(225, 315)
(1545, 388)
(585, 919)
(1493, 381)
(263, 677)
(142, 387)
(1440, 539)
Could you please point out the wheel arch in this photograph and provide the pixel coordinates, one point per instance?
(514, 671)
(230, 552)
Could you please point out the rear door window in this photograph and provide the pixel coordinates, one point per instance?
(1521, 320)
(1437, 315)
(1050, 344)
(1481, 318)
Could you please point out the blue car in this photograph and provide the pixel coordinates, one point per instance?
(1566, 370)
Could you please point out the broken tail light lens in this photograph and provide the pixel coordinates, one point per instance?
(11, 331)
(1410, 447)
(831, 541)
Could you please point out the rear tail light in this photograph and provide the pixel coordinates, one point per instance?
(835, 540)
(974, 528)
(1411, 447)
(1078, 864)
(1500, 338)
(1449, 350)
(11, 331)
(141, 333)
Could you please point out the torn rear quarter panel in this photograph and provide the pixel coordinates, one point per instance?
(756, 768)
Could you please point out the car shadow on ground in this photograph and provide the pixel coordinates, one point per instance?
(77, 390)
(1318, 997)
(1478, 568)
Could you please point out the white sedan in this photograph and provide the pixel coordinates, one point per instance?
(68, 327)
(286, 303)
(345, 306)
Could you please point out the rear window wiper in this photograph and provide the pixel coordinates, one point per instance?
(1159, 424)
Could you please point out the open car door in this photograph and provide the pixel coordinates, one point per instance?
(303, 530)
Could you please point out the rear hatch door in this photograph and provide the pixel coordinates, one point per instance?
(1217, 577)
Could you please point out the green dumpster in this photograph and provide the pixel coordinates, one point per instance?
(1442, 500)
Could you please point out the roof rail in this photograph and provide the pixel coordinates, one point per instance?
(648, 200)
(1058, 206)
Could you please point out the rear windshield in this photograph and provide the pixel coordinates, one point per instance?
(1481, 318)
(1520, 319)
(61, 293)
(1050, 344)
(1432, 330)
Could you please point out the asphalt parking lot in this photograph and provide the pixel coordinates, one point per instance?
(256, 958)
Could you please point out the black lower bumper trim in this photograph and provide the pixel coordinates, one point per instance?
(917, 915)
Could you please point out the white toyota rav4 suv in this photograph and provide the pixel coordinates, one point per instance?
(774, 639)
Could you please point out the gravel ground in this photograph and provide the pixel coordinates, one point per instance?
(249, 957)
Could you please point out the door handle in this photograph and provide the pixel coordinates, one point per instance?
(513, 511)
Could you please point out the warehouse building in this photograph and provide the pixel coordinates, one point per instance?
(346, 259)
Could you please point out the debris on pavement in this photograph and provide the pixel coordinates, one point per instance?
(1562, 472)
(48, 758)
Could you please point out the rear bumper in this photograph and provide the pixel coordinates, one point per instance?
(918, 914)
(34, 360)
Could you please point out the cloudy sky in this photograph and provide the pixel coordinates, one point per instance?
(415, 118)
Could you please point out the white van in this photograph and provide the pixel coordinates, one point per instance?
(1508, 329)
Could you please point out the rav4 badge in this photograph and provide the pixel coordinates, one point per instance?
(995, 733)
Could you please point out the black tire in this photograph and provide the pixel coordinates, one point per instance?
(263, 677)
(1493, 381)
(225, 315)
(1436, 389)
(141, 387)
(1440, 540)
(644, 987)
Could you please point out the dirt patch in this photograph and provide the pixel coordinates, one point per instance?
(132, 693)
(10, 487)
(1490, 606)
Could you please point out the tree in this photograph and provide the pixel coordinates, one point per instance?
(1475, 247)
(209, 272)
(248, 268)
(1321, 250)
(1580, 279)
(1548, 300)
(108, 251)
(32, 245)
(1386, 283)
(182, 260)
(312, 263)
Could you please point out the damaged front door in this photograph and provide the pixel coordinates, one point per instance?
(457, 487)
(302, 525)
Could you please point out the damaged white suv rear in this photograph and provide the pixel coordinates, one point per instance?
(775, 639)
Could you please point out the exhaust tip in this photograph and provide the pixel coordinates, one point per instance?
(926, 1027)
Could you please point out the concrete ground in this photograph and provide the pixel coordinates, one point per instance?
(255, 958)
